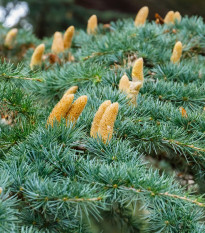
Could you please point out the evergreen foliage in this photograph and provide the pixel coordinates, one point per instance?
(59, 179)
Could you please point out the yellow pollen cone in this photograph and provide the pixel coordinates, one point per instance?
(77, 108)
(98, 117)
(57, 46)
(107, 122)
(169, 18)
(10, 37)
(177, 16)
(61, 109)
(137, 71)
(141, 16)
(177, 52)
(71, 90)
(92, 24)
(36, 58)
(68, 36)
(124, 84)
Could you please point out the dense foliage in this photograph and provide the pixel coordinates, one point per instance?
(149, 177)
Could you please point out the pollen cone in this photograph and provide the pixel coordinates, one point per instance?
(107, 122)
(76, 108)
(177, 52)
(177, 16)
(141, 16)
(36, 58)
(137, 71)
(57, 46)
(10, 37)
(98, 117)
(68, 36)
(92, 24)
(124, 84)
(61, 109)
(169, 18)
(71, 90)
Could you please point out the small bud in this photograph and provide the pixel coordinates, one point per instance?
(10, 37)
(92, 24)
(71, 57)
(177, 52)
(137, 71)
(169, 18)
(134, 91)
(77, 108)
(98, 117)
(159, 19)
(135, 86)
(61, 109)
(183, 112)
(1, 190)
(68, 36)
(107, 122)
(36, 58)
(57, 46)
(177, 16)
(141, 16)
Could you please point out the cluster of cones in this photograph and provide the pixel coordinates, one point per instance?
(131, 88)
(59, 45)
(169, 18)
(65, 108)
(103, 122)
(63, 42)
(105, 117)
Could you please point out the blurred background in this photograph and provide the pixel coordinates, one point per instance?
(47, 16)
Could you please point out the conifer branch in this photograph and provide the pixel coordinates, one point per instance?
(166, 194)
(23, 78)
(171, 141)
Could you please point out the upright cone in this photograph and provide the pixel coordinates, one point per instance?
(68, 36)
(71, 90)
(76, 108)
(107, 122)
(124, 84)
(98, 117)
(36, 58)
(137, 71)
(58, 44)
(177, 16)
(92, 24)
(10, 37)
(61, 109)
(141, 16)
(169, 18)
(177, 52)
